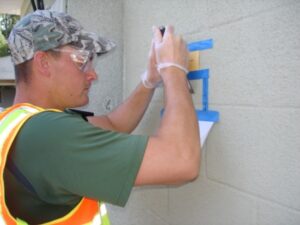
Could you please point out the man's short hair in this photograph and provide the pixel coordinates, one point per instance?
(44, 30)
(23, 70)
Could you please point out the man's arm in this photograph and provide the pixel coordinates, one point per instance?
(173, 153)
(126, 116)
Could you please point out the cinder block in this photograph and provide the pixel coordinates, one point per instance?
(224, 12)
(151, 120)
(254, 7)
(204, 202)
(272, 214)
(186, 16)
(147, 207)
(257, 150)
(257, 64)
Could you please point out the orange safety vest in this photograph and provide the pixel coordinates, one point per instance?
(88, 211)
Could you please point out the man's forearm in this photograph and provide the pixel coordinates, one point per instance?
(179, 123)
(126, 116)
(173, 152)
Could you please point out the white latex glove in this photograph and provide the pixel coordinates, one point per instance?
(151, 78)
(170, 50)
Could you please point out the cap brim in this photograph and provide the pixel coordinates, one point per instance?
(93, 42)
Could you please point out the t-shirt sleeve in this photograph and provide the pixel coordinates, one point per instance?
(64, 156)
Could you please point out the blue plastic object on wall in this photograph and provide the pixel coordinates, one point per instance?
(200, 45)
(205, 114)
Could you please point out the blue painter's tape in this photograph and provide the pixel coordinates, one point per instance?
(205, 94)
(198, 74)
(211, 116)
(200, 45)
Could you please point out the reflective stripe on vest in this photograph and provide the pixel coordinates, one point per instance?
(87, 212)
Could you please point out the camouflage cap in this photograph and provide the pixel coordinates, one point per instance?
(44, 30)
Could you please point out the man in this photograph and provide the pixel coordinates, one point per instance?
(57, 166)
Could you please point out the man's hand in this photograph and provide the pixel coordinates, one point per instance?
(170, 49)
(151, 78)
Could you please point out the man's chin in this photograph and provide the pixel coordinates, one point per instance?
(81, 104)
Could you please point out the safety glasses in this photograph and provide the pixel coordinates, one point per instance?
(83, 59)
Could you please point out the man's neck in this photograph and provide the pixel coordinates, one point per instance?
(25, 94)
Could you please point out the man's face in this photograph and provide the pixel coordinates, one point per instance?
(72, 76)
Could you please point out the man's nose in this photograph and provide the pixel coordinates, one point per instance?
(91, 74)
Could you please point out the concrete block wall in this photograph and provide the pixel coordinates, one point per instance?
(250, 172)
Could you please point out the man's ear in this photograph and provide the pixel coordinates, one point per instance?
(41, 62)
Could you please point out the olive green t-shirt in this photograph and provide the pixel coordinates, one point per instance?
(63, 158)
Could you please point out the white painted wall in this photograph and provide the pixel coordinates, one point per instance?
(250, 171)
(6, 68)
